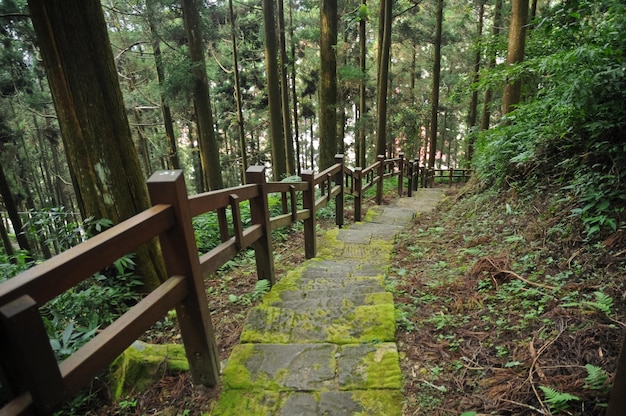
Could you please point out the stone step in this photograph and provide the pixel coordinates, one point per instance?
(324, 403)
(313, 367)
(346, 324)
(323, 298)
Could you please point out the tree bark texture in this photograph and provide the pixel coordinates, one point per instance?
(361, 154)
(497, 21)
(209, 146)
(279, 157)
(243, 149)
(473, 110)
(284, 91)
(77, 56)
(328, 83)
(436, 81)
(515, 52)
(386, 7)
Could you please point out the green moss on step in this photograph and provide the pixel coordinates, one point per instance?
(236, 374)
(142, 364)
(382, 368)
(377, 322)
(247, 403)
(378, 298)
(379, 402)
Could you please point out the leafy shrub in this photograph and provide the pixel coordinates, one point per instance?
(570, 129)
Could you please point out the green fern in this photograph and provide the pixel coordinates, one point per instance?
(603, 303)
(261, 288)
(558, 401)
(596, 378)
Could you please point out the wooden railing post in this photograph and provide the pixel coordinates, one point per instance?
(181, 258)
(260, 214)
(401, 174)
(381, 176)
(358, 193)
(26, 350)
(339, 199)
(411, 178)
(450, 178)
(308, 202)
(416, 171)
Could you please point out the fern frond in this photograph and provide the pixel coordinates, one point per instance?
(558, 401)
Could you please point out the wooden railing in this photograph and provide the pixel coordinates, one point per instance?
(29, 374)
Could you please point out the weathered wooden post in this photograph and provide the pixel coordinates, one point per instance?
(401, 174)
(26, 352)
(181, 259)
(416, 169)
(308, 203)
(381, 177)
(450, 179)
(339, 199)
(411, 177)
(358, 192)
(260, 214)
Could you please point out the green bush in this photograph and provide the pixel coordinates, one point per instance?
(570, 129)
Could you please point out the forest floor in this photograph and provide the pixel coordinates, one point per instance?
(502, 308)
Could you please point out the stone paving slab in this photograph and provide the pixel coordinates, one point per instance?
(335, 403)
(308, 367)
(322, 342)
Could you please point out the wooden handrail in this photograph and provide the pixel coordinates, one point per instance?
(170, 218)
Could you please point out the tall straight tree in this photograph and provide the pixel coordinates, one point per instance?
(384, 33)
(436, 81)
(284, 90)
(279, 160)
(172, 147)
(328, 83)
(515, 52)
(74, 44)
(209, 146)
(473, 110)
(361, 153)
(497, 21)
(240, 127)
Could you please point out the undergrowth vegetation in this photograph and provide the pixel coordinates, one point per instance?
(504, 306)
(570, 129)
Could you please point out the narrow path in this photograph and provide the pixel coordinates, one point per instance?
(323, 341)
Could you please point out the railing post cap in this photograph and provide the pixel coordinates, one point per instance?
(165, 175)
(256, 169)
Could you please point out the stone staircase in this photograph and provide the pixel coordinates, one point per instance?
(323, 340)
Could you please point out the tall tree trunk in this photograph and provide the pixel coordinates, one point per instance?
(497, 22)
(328, 83)
(515, 52)
(284, 91)
(279, 159)
(473, 110)
(294, 96)
(207, 140)
(436, 81)
(362, 147)
(9, 204)
(77, 56)
(243, 151)
(172, 147)
(6, 241)
(383, 75)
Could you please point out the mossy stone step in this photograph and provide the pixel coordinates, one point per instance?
(317, 403)
(342, 325)
(355, 296)
(313, 367)
(386, 232)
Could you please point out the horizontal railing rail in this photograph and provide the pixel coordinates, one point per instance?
(29, 374)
